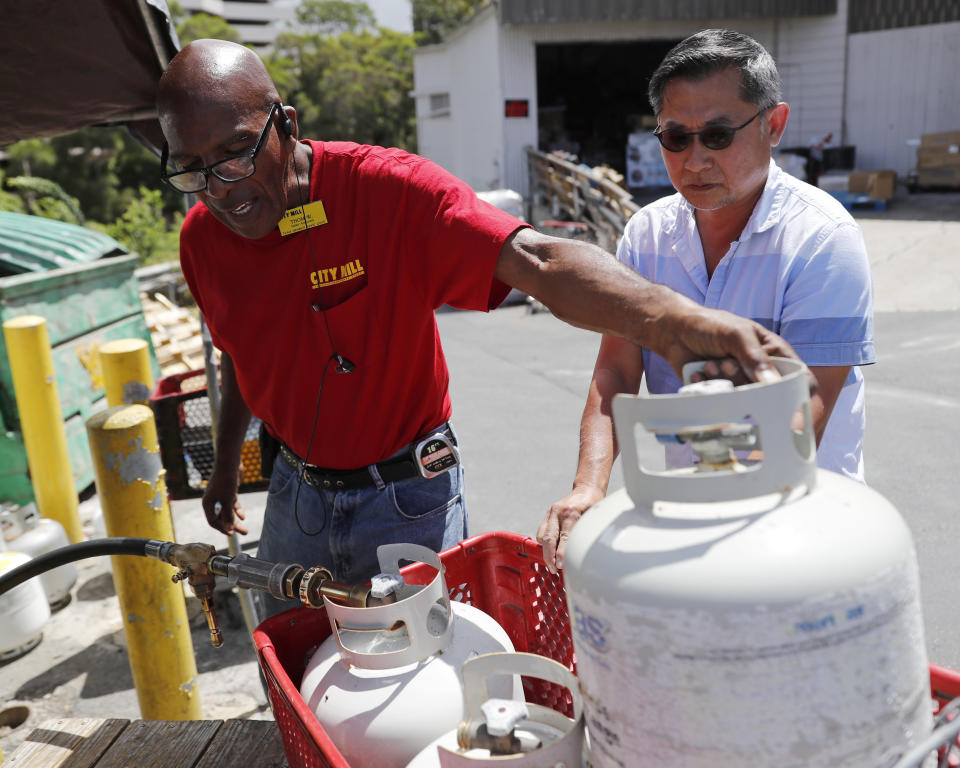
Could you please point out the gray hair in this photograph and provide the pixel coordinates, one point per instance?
(713, 50)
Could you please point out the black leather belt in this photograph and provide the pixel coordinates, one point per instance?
(391, 470)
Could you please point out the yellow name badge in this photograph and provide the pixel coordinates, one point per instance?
(300, 218)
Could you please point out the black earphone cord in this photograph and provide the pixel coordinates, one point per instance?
(344, 365)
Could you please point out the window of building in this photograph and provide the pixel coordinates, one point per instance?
(439, 104)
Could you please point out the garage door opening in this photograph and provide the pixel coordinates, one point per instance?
(592, 96)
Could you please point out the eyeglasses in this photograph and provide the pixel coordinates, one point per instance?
(715, 137)
(232, 169)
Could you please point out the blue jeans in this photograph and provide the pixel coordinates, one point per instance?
(342, 529)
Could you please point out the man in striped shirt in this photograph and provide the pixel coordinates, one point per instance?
(739, 235)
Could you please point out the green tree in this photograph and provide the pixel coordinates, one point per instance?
(333, 17)
(347, 79)
(100, 167)
(144, 229)
(200, 25)
(46, 198)
(10, 201)
(432, 19)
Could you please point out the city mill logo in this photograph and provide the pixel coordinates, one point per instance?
(333, 275)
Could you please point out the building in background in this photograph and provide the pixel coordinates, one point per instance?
(573, 75)
(257, 21)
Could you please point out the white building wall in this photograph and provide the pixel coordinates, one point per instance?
(810, 54)
(901, 83)
(518, 67)
(436, 130)
(468, 142)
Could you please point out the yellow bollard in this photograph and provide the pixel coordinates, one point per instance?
(133, 495)
(41, 421)
(126, 371)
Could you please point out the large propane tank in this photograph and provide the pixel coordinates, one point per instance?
(387, 681)
(25, 531)
(735, 615)
(23, 610)
(510, 732)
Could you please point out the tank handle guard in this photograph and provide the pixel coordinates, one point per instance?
(789, 459)
(567, 750)
(412, 611)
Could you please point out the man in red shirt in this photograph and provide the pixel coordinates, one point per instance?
(327, 331)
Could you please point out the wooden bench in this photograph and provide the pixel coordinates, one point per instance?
(116, 743)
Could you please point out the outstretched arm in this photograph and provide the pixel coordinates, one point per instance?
(587, 287)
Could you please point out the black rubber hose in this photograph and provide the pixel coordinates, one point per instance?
(69, 554)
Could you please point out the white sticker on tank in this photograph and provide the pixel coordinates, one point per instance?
(757, 686)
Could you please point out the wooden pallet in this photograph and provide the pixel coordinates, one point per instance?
(592, 197)
(175, 333)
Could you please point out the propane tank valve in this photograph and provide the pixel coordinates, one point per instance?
(193, 564)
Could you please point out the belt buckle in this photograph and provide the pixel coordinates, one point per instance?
(434, 455)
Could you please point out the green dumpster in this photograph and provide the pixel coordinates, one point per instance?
(82, 282)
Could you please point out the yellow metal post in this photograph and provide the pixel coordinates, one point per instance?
(126, 371)
(133, 495)
(41, 421)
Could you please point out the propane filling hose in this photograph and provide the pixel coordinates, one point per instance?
(69, 554)
(199, 564)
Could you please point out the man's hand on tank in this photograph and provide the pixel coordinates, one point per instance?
(689, 332)
(559, 521)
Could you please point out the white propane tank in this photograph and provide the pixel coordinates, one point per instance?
(387, 681)
(514, 733)
(737, 615)
(23, 611)
(27, 532)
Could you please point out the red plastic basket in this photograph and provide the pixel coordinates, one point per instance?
(502, 574)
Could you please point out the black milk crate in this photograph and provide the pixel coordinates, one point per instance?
(181, 408)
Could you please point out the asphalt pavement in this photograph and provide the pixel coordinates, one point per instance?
(518, 382)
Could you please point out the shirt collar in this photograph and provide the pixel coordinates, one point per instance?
(766, 213)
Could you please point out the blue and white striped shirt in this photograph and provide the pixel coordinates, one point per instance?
(798, 268)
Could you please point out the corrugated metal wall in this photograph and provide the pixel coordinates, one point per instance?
(875, 15)
(553, 11)
(810, 55)
(901, 83)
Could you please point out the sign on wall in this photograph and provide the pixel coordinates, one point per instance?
(516, 108)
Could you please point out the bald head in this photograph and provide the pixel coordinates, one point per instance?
(217, 103)
(209, 73)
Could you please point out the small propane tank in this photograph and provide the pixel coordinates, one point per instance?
(512, 732)
(27, 532)
(23, 611)
(734, 615)
(387, 681)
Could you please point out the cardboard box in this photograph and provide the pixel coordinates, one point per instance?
(939, 140)
(877, 185)
(938, 177)
(938, 157)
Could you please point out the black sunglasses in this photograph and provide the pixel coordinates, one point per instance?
(232, 169)
(716, 137)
